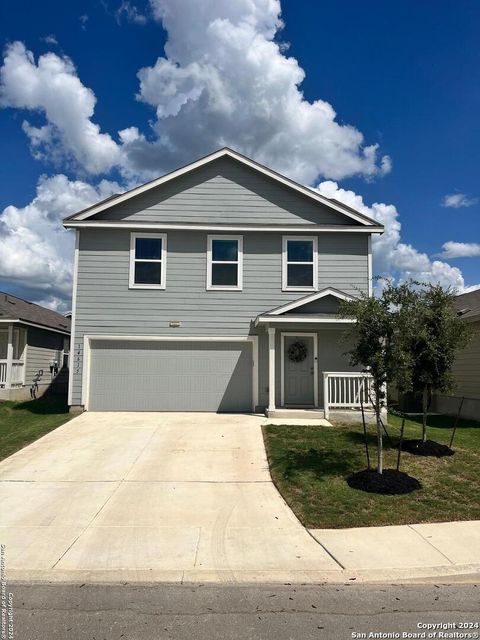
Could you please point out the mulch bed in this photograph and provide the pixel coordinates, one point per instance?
(428, 448)
(391, 482)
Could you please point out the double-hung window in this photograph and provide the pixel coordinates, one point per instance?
(224, 262)
(148, 261)
(300, 263)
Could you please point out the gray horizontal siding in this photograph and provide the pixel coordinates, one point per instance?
(105, 305)
(224, 191)
(42, 347)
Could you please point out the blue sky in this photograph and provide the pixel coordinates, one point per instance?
(404, 74)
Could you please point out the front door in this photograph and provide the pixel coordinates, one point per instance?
(299, 365)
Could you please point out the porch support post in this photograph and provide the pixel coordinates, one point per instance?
(326, 399)
(271, 369)
(8, 382)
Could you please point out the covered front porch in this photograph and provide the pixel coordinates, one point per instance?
(308, 371)
(13, 341)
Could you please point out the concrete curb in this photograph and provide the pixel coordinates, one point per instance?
(444, 574)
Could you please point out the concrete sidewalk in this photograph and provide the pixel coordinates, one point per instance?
(405, 551)
(111, 497)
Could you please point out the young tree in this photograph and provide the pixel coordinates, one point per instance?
(374, 347)
(430, 332)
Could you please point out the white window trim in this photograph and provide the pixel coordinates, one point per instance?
(285, 263)
(239, 262)
(163, 260)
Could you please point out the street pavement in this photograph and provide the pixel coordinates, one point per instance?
(219, 612)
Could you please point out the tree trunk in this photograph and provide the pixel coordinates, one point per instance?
(425, 410)
(379, 432)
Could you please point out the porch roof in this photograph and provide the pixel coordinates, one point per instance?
(283, 314)
(13, 309)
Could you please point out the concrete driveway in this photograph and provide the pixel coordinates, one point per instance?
(141, 497)
(147, 496)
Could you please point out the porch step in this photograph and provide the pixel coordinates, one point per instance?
(307, 414)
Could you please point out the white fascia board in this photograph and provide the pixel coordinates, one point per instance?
(267, 319)
(364, 220)
(311, 298)
(169, 338)
(158, 226)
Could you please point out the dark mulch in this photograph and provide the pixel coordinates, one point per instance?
(428, 448)
(391, 482)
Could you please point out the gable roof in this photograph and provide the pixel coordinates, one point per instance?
(13, 308)
(468, 305)
(280, 315)
(311, 297)
(358, 217)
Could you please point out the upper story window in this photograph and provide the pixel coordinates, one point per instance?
(224, 262)
(300, 263)
(148, 261)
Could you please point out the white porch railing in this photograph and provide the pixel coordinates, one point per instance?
(346, 390)
(17, 375)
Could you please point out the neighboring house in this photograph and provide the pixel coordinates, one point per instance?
(466, 369)
(34, 347)
(216, 288)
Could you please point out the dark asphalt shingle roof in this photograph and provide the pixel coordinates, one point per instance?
(468, 304)
(15, 308)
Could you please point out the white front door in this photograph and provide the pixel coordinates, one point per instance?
(299, 363)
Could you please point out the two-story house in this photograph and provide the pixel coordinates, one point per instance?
(216, 288)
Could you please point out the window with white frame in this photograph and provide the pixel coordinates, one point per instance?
(224, 262)
(148, 261)
(300, 263)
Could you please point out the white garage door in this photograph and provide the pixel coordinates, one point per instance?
(170, 376)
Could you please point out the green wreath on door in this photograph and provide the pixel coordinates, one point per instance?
(297, 352)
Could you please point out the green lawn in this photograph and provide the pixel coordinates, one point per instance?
(24, 422)
(309, 465)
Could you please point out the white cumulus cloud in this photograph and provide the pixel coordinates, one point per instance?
(35, 250)
(460, 249)
(391, 256)
(51, 86)
(224, 80)
(458, 200)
